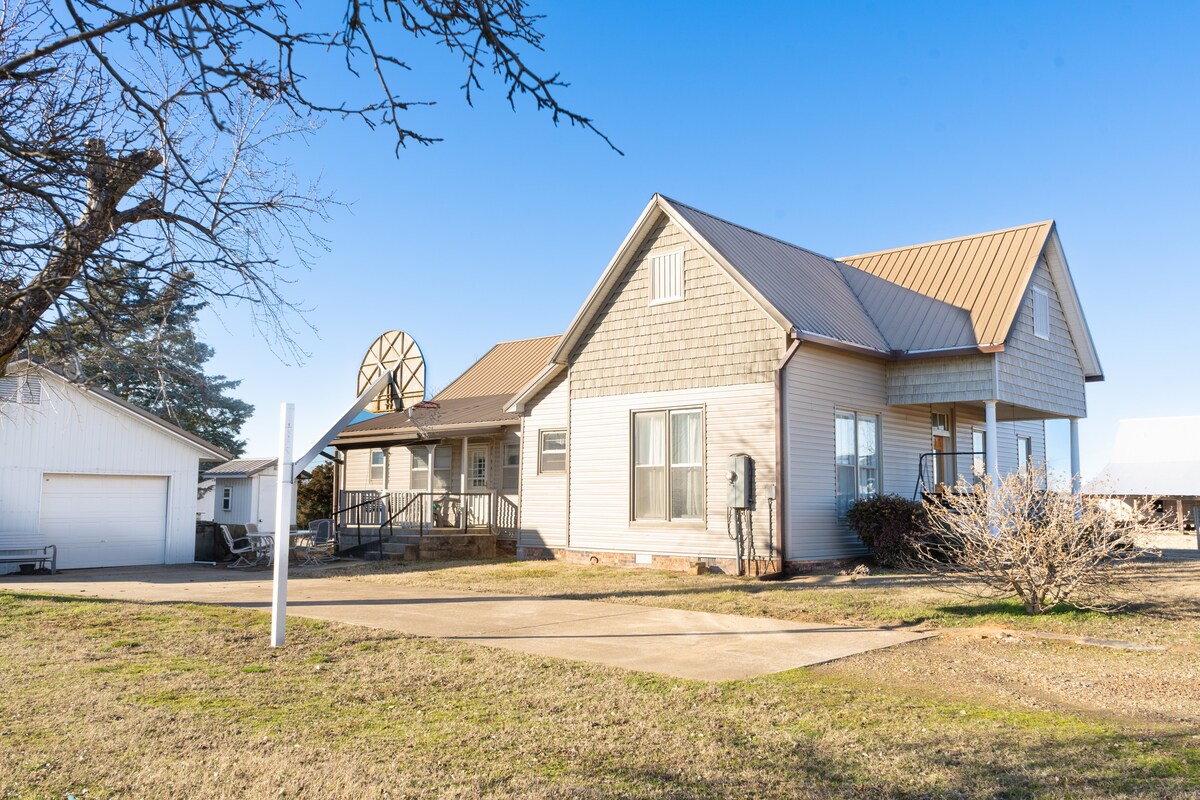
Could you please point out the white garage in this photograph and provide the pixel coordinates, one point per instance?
(106, 482)
(105, 520)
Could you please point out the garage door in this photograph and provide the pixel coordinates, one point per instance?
(105, 520)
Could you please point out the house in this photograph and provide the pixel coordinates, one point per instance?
(244, 492)
(1155, 459)
(107, 482)
(890, 372)
(455, 466)
(708, 352)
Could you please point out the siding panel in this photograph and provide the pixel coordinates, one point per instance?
(543, 497)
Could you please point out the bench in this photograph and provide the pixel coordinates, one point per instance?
(27, 548)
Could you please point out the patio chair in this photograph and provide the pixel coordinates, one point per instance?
(239, 547)
(321, 544)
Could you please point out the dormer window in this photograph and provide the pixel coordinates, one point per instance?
(1041, 314)
(666, 277)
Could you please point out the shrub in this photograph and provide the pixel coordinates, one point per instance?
(891, 525)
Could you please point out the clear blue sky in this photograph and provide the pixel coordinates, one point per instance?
(842, 127)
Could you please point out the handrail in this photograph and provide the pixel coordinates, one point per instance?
(378, 498)
(388, 522)
(921, 485)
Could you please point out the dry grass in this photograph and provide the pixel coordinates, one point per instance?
(113, 699)
(1166, 609)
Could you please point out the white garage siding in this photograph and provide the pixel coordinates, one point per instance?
(105, 520)
(72, 432)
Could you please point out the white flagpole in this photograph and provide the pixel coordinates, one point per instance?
(283, 524)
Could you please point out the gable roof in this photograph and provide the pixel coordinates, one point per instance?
(959, 295)
(986, 273)
(240, 468)
(142, 415)
(476, 398)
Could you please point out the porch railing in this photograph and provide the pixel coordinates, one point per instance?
(377, 512)
(927, 482)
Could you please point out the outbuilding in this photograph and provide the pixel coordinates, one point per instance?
(106, 482)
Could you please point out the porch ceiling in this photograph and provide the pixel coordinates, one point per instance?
(1005, 412)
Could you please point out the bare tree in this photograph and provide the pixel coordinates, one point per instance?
(1015, 538)
(143, 134)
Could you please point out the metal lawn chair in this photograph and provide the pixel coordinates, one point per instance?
(239, 547)
(322, 543)
(263, 543)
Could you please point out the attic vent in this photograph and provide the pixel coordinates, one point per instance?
(24, 389)
(666, 277)
(1041, 314)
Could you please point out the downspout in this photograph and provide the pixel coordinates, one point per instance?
(781, 459)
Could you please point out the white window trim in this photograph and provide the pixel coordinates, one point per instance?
(674, 522)
(878, 416)
(1041, 300)
(510, 474)
(382, 481)
(1024, 465)
(682, 253)
(541, 441)
(227, 498)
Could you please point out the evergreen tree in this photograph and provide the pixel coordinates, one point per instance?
(314, 497)
(137, 339)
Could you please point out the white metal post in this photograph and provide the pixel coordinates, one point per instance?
(283, 524)
(1074, 455)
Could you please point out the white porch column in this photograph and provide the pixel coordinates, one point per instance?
(1074, 455)
(991, 439)
(462, 480)
(429, 449)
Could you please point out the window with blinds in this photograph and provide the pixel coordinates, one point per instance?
(666, 277)
(1041, 314)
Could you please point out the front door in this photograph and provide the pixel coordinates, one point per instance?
(477, 481)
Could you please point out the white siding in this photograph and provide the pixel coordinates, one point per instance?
(73, 432)
(819, 381)
(737, 419)
(543, 497)
(240, 510)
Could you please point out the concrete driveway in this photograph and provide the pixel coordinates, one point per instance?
(684, 644)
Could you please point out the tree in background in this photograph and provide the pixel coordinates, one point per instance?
(137, 339)
(144, 134)
(314, 497)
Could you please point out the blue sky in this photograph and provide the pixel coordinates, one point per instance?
(842, 127)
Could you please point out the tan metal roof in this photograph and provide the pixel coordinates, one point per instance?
(986, 274)
(477, 397)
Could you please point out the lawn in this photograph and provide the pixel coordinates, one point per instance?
(115, 699)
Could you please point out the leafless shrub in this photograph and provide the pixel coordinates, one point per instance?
(1016, 538)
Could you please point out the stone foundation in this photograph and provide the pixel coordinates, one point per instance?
(726, 566)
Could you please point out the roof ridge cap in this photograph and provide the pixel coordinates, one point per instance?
(749, 230)
(915, 245)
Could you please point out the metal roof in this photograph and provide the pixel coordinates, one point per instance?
(986, 274)
(477, 397)
(1153, 456)
(240, 468)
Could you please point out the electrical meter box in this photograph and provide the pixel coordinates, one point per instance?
(741, 481)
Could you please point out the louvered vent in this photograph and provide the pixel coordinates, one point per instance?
(1041, 314)
(24, 389)
(666, 277)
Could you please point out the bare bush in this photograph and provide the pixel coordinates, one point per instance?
(1016, 538)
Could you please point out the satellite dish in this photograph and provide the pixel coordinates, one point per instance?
(398, 352)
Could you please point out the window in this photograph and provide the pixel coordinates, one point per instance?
(512, 467)
(378, 468)
(552, 455)
(1024, 454)
(856, 458)
(24, 389)
(419, 473)
(979, 449)
(1041, 314)
(666, 277)
(668, 465)
(226, 498)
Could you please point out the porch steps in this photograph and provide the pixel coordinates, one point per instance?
(440, 544)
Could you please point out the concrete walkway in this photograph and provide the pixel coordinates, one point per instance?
(685, 644)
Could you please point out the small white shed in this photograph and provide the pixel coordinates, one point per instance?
(108, 483)
(244, 492)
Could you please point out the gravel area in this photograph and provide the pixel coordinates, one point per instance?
(1025, 672)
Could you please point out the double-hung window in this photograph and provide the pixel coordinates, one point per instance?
(226, 498)
(552, 455)
(1024, 454)
(856, 458)
(668, 464)
(419, 471)
(512, 466)
(378, 466)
